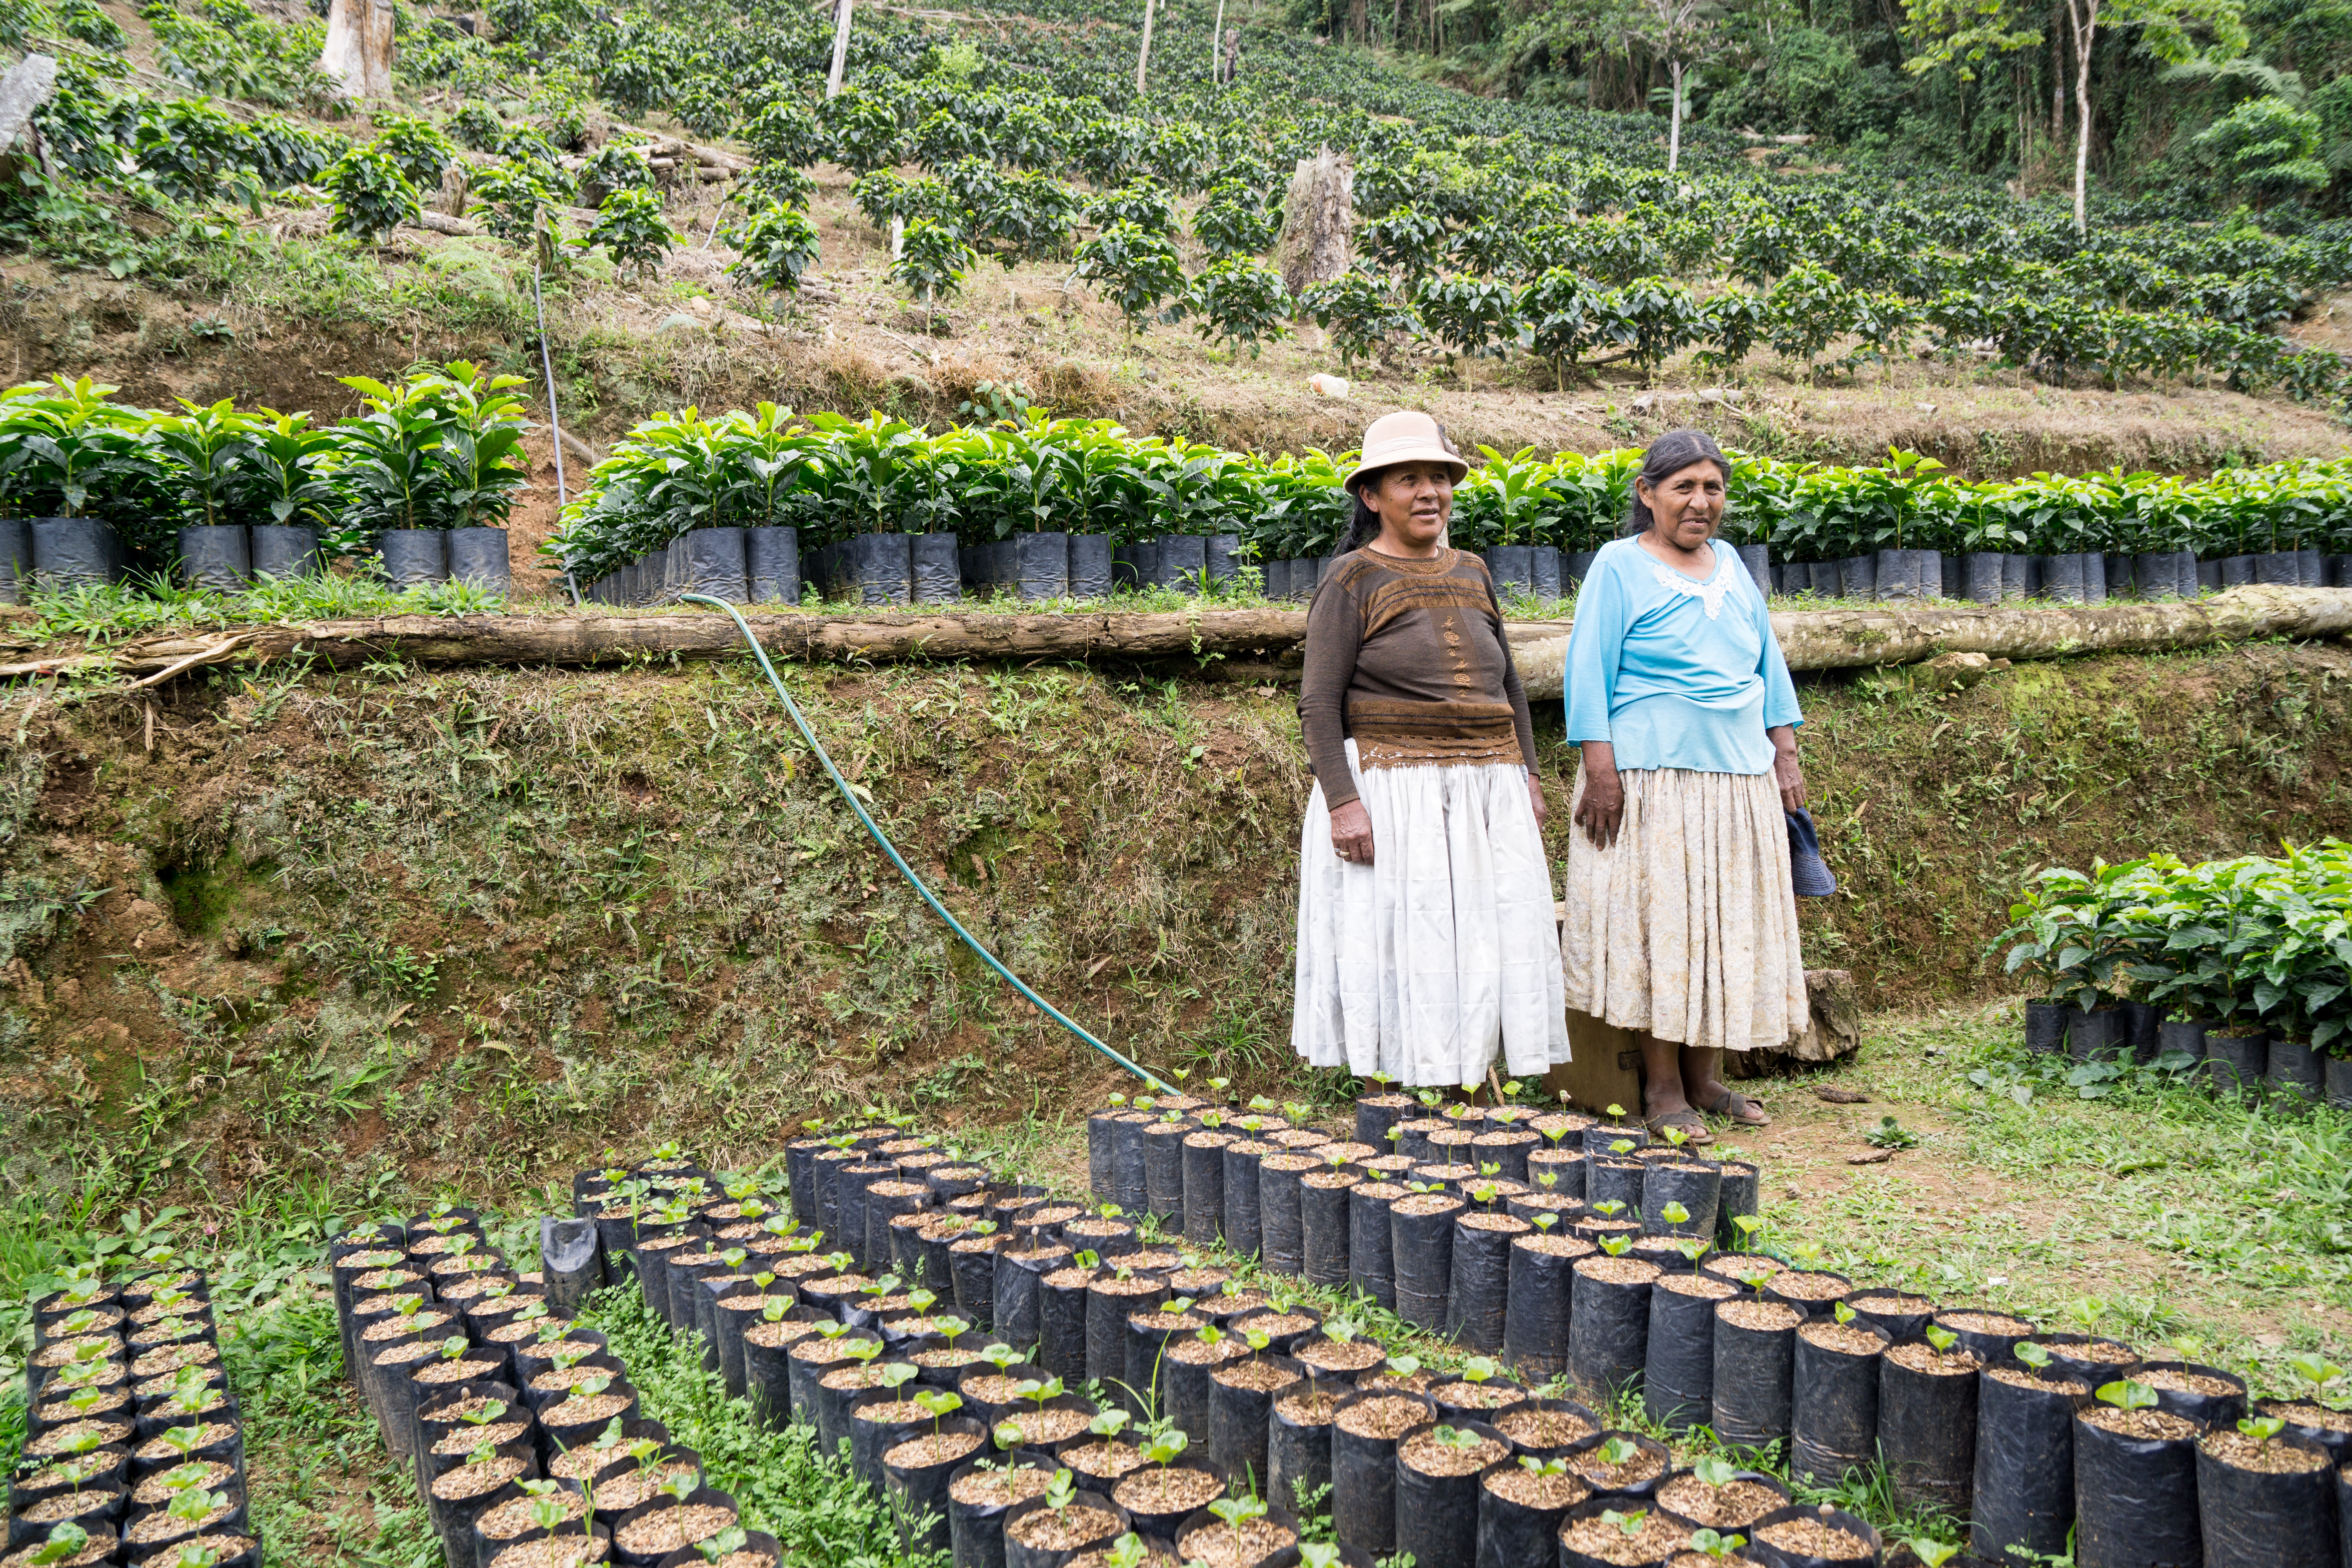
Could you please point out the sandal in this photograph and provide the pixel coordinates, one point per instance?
(1740, 1110)
(1685, 1122)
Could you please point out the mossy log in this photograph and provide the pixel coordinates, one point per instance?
(1256, 640)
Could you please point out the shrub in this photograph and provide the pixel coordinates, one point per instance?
(631, 227)
(1139, 204)
(1240, 299)
(933, 258)
(777, 247)
(785, 132)
(508, 198)
(372, 198)
(1470, 316)
(2266, 151)
(615, 169)
(1360, 312)
(1136, 269)
(1235, 221)
(416, 145)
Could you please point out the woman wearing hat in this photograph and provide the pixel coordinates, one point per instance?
(1425, 902)
(1682, 919)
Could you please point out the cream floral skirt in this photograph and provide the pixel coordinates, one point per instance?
(1424, 962)
(1686, 928)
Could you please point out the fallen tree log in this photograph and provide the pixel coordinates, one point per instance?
(1266, 639)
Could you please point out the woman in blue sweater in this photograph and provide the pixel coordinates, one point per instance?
(1681, 920)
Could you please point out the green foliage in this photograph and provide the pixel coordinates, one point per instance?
(1360, 312)
(1025, 216)
(862, 132)
(786, 132)
(612, 168)
(1139, 204)
(478, 127)
(933, 258)
(372, 198)
(1470, 316)
(776, 246)
(508, 198)
(1234, 221)
(631, 227)
(1240, 300)
(2266, 151)
(1136, 269)
(418, 146)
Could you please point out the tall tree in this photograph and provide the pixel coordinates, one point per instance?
(2168, 31)
(840, 49)
(1961, 36)
(1679, 33)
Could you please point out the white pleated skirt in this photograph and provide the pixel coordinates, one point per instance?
(1443, 948)
(1686, 927)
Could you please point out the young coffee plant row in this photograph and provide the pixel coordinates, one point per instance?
(438, 448)
(134, 1450)
(1480, 242)
(833, 477)
(524, 1431)
(1484, 228)
(2244, 965)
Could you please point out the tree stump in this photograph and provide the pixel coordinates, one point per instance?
(360, 48)
(1318, 221)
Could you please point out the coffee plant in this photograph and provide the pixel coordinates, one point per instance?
(632, 230)
(1240, 301)
(372, 198)
(1136, 270)
(1363, 314)
(776, 246)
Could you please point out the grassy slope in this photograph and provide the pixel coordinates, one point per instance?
(467, 926)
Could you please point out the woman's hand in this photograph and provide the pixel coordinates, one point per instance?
(1601, 810)
(1786, 772)
(1535, 796)
(1352, 832)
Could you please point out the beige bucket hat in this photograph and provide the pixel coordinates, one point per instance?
(1407, 436)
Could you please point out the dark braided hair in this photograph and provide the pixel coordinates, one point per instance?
(1669, 455)
(1365, 525)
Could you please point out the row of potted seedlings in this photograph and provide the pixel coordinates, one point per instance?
(1220, 1403)
(2034, 1438)
(134, 1452)
(523, 1428)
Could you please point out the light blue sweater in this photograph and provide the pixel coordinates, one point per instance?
(1675, 672)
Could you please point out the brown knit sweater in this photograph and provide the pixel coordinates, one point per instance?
(1409, 659)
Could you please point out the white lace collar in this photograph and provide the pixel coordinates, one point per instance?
(1711, 592)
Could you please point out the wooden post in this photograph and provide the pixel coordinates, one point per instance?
(840, 49)
(1143, 54)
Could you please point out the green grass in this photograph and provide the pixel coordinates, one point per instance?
(818, 1511)
(2219, 1225)
(146, 606)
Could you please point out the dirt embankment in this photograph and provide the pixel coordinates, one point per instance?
(489, 922)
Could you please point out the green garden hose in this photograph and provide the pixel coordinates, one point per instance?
(882, 839)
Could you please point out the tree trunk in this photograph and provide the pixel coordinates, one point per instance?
(1811, 639)
(1674, 131)
(1216, 41)
(2084, 16)
(1358, 24)
(1143, 54)
(840, 49)
(359, 49)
